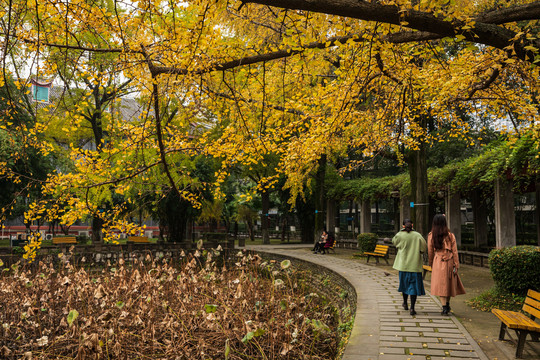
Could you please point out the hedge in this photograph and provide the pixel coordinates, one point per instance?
(516, 269)
(367, 242)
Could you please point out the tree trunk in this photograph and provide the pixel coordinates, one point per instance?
(249, 226)
(97, 225)
(397, 225)
(537, 212)
(305, 212)
(284, 225)
(330, 215)
(265, 196)
(65, 229)
(161, 236)
(419, 187)
(319, 198)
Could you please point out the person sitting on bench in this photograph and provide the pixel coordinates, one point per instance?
(319, 245)
(329, 243)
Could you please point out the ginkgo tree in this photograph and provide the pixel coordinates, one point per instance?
(298, 80)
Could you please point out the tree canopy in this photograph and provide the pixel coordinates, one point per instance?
(244, 81)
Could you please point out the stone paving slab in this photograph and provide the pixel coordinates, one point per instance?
(382, 329)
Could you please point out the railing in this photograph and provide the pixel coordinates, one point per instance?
(473, 258)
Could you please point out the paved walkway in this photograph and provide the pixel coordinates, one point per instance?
(382, 329)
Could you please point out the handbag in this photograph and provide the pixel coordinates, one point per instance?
(457, 285)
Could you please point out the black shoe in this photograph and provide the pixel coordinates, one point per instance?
(405, 306)
(445, 310)
(413, 312)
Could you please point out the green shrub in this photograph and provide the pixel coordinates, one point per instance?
(17, 250)
(516, 269)
(367, 242)
(82, 239)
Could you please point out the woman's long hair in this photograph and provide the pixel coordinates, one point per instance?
(439, 230)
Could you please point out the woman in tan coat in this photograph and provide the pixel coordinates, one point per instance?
(444, 261)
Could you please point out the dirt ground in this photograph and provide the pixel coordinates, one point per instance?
(483, 326)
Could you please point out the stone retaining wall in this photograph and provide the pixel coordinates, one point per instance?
(88, 254)
(328, 283)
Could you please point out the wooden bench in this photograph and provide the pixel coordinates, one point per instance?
(425, 269)
(522, 324)
(381, 251)
(138, 239)
(64, 240)
(331, 247)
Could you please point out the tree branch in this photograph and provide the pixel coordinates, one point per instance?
(482, 85)
(486, 30)
(252, 101)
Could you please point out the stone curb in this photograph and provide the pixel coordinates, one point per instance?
(382, 330)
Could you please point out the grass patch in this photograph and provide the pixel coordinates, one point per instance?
(495, 298)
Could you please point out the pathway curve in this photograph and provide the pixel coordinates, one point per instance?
(382, 329)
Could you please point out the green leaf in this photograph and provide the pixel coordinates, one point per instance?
(248, 337)
(285, 264)
(283, 304)
(120, 304)
(227, 349)
(1, 262)
(209, 308)
(259, 332)
(73, 314)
